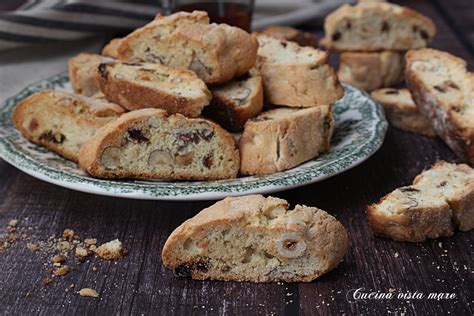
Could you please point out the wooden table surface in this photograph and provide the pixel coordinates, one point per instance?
(139, 284)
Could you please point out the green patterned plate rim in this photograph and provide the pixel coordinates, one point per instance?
(359, 133)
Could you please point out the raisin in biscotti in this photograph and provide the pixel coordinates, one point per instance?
(62, 122)
(296, 76)
(439, 200)
(283, 138)
(377, 26)
(216, 52)
(150, 144)
(136, 86)
(443, 91)
(402, 112)
(257, 239)
(237, 101)
(81, 69)
(291, 34)
(371, 70)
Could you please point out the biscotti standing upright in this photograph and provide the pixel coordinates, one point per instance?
(296, 76)
(236, 101)
(257, 239)
(377, 26)
(136, 86)
(62, 122)
(402, 112)
(443, 91)
(150, 144)
(440, 200)
(81, 69)
(283, 138)
(216, 52)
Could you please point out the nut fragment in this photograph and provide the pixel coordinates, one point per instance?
(290, 245)
(185, 159)
(58, 259)
(111, 157)
(111, 250)
(199, 68)
(160, 157)
(90, 241)
(68, 233)
(32, 247)
(61, 271)
(81, 252)
(88, 292)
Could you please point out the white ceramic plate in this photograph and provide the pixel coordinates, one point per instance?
(360, 130)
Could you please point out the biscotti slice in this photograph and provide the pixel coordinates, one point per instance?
(371, 70)
(370, 26)
(81, 68)
(150, 144)
(62, 122)
(443, 91)
(291, 34)
(136, 86)
(237, 101)
(216, 52)
(402, 112)
(296, 76)
(257, 239)
(283, 138)
(440, 200)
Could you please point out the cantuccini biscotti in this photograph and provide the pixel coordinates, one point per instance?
(283, 138)
(81, 69)
(291, 34)
(371, 26)
(144, 85)
(439, 200)
(237, 101)
(296, 76)
(371, 70)
(216, 52)
(150, 144)
(62, 122)
(257, 239)
(443, 91)
(402, 112)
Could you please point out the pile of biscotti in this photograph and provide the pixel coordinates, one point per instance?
(163, 101)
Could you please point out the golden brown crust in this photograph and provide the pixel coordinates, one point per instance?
(110, 49)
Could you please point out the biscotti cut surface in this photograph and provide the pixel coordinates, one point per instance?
(372, 70)
(216, 52)
(402, 112)
(237, 101)
(62, 122)
(149, 144)
(377, 26)
(283, 138)
(443, 91)
(81, 69)
(253, 238)
(136, 86)
(291, 34)
(439, 200)
(296, 76)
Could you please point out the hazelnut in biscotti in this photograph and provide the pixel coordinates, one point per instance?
(62, 122)
(136, 86)
(402, 112)
(215, 52)
(443, 91)
(371, 26)
(257, 239)
(236, 101)
(296, 76)
(150, 144)
(439, 200)
(283, 138)
(371, 70)
(81, 69)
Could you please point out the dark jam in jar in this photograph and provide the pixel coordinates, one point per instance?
(236, 14)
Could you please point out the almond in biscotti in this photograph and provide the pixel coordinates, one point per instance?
(257, 239)
(443, 91)
(151, 144)
(81, 69)
(137, 86)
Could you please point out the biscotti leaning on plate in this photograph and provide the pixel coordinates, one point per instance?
(81, 69)
(443, 91)
(257, 239)
(283, 138)
(402, 112)
(149, 143)
(216, 52)
(62, 122)
(439, 200)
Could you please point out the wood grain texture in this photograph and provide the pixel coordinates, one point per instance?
(139, 284)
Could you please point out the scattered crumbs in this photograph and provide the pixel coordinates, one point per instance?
(13, 223)
(68, 233)
(88, 292)
(94, 268)
(396, 255)
(90, 241)
(61, 271)
(33, 247)
(81, 252)
(440, 244)
(47, 280)
(58, 259)
(111, 250)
